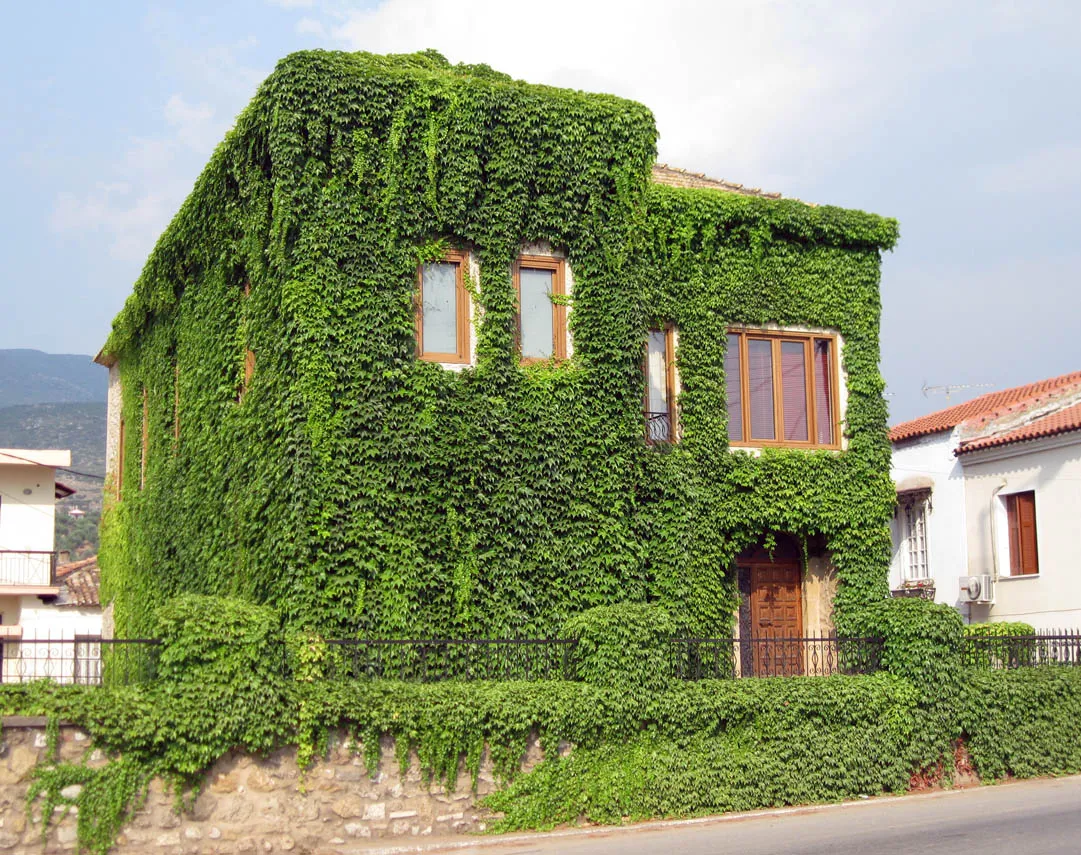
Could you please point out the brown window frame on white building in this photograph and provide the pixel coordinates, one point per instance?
(559, 310)
(1021, 532)
(461, 353)
(821, 421)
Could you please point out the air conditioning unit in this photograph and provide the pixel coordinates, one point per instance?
(978, 589)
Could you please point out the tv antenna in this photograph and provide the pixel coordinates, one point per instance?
(948, 389)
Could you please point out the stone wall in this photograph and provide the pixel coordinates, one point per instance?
(255, 804)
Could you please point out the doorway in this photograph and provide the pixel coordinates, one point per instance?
(771, 610)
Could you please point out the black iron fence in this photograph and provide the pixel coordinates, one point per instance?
(1049, 647)
(814, 656)
(430, 660)
(90, 660)
(78, 659)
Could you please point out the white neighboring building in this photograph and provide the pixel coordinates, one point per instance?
(992, 488)
(48, 614)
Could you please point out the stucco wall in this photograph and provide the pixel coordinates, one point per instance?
(947, 557)
(112, 425)
(27, 499)
(252, 804)
(26, 519)
(1051, 599)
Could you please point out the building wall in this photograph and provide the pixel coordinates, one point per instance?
(112, 423)
(932, 457)
(27, 518)
(1051, 599)
(27, 497)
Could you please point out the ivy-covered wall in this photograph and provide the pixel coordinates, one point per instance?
(363, 491)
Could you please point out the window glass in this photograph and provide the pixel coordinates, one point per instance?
(439, 306)
(760, 371)
(537, 312)
(823, 391)
(658, 375)
(914, 509)
(794, 390)
(734, 385)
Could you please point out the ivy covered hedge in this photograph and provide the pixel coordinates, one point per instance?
(362, 491)
(641, 749)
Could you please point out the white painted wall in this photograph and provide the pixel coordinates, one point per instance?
(932, 457)
(27, 522)
(1051, 468)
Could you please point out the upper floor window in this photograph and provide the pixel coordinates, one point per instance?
(542, 321)
(912, 509)
(662, 424)
(1021, 525)
(782, 389)
(442, 313)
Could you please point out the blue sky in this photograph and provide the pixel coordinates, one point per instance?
(963, 120)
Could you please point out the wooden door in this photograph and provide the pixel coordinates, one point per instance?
(776, 605)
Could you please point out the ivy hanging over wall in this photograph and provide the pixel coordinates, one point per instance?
(362, 491)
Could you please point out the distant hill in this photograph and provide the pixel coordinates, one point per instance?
(33, 377)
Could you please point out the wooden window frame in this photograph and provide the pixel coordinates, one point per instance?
(671, 383)
(1018, 565)
(462, 307)
(559, 309)
(776, 337)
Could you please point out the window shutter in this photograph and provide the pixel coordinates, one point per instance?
(823, 392)
(734, 388)
(1026, 518)
(760, 371)
(794, 390)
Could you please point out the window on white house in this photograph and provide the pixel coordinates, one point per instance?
(1021, 528)
(913, 509)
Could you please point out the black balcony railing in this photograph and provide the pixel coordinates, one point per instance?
(80, 659)
(1051, 647)
(430, 660)
(816, 656)
(659, 427)
(27, 567)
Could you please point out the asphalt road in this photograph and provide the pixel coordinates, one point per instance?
(1030, 818)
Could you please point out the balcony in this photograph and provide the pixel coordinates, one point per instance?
(28, 572)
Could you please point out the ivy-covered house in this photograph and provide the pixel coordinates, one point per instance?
(432, 352)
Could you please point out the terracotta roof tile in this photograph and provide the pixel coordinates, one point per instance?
(1052, 424)
(80, 581)
(985, 407)
(676, 177)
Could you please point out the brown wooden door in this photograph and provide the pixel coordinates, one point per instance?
(776, 604)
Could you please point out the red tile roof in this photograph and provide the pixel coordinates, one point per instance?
(986, 407)
(80, 581)
(1062, 421)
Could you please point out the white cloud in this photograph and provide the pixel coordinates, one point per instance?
(311, 27)
(729, 82)
(157, 175)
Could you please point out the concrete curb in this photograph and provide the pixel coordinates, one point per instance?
(656, 825)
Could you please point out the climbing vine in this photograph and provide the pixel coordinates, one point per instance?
(362, 491)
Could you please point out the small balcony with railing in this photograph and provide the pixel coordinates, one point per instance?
(28, 572)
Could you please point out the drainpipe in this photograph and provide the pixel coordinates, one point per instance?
(994, 533)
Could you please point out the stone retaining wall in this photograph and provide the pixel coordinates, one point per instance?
(255, 804)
